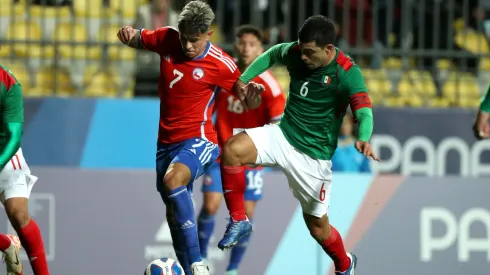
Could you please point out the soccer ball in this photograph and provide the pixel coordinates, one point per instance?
(164, 266)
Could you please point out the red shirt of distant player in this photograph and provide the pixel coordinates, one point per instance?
(230, 113)
(187, 87)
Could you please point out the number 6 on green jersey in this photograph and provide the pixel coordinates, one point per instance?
(304, 89)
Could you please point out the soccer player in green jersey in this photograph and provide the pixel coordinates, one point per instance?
(324, 82)
(16, 182)
(481, 128)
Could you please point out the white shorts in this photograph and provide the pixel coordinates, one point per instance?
(309, 179)
(16, 179)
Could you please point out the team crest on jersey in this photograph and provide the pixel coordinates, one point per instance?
(326, 80)
(198, 73)
(208, 180)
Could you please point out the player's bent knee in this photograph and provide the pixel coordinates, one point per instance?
(171, 181)
(239, 150)
(231, 152)
(177, 175)
(17, 212)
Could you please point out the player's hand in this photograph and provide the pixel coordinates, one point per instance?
(250, 94)
(253, 100)
(365, 149)
(481, 128)
(126, 34)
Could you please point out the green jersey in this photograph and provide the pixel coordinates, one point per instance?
(485, 102)
(11, 103)
(318, 99)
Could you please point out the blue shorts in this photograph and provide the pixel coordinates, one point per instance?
(195, 153)
(255, 180)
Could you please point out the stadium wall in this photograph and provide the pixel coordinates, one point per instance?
(107, 133)
(100, 214)
(430, 142)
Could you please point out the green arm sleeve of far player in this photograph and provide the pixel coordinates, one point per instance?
(365, 119)
(14, 130)
(13, 117)
(13, 105)
(265, 61)
(485, 102)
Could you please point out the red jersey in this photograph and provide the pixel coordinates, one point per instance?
(230, 113)
(187, 87)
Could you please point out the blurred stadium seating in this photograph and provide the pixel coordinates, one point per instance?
(54, 48)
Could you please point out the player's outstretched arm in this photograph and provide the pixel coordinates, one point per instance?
(360, 104)
(364, 117)
(13, 117)
(249, 93)
(14, 132)
(481, 127)
(265, 61)
(130, 36)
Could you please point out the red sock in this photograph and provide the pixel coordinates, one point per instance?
(234, 185)
(30, 237)
(334, 247)
(5, 242)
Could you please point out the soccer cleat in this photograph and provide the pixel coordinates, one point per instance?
(231, 272)
(235, 230)
(199, 269)
(352, 268)
(11, 257)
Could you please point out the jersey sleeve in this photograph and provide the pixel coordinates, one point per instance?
(354, 85)
(273, 98)
(13, 105)
(485, 102)
(275, 54)
(228, 76)
(156, 40)
(359, 101)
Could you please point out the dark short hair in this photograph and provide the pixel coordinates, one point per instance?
(249, 29)
(318, 28)
(195, 18)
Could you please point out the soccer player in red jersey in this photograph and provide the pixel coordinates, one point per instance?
(192, 71)
(231, 116)
(16, 182)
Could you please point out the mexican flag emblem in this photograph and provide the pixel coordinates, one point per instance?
(326, 80)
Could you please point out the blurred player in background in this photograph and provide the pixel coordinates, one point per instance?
(16, 182)
(192, 70)
(346, 157)
(324, 81)
(481, 128)
(231, 116)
